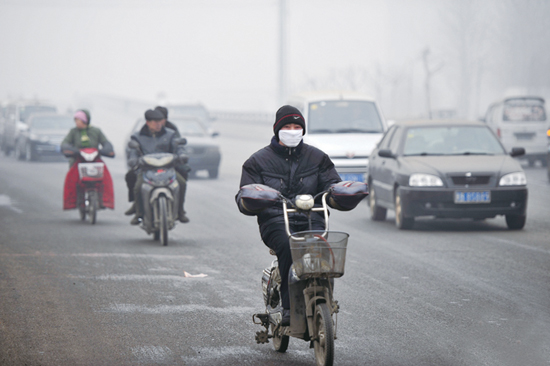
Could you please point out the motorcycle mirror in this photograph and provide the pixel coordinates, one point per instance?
(132, 144)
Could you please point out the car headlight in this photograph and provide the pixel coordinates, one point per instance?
(513, 179)
(425, 180)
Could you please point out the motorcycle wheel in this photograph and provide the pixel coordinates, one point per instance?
(280, 342)
(324, 344)
(92, 207)
(163, 220)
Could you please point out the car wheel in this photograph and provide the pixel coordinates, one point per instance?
(29, 154)
(377, 213)
(515, 222)
(213, 173)
(402, 222)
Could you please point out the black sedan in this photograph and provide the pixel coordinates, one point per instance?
(202, 149)
(445, 169)
(42, 136)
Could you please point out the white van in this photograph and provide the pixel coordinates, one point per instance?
(521, 122)
(345, 125)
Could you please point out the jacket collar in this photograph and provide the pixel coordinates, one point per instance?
(284, 150)
(145, 131)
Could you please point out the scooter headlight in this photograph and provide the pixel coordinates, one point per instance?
(304, 202)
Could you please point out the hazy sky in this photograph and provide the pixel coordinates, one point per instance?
(221, 52)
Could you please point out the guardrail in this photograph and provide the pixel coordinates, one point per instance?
(244, 117)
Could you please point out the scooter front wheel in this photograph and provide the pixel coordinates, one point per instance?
(280, 341)
(324, 342)
(92, 206)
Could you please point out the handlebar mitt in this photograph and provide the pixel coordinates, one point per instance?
(345, 196)
(254, 198)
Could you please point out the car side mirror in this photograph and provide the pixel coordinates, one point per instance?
(517, 151)
(215, 134)
(386, 153)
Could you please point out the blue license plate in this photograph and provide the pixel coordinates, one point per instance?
(473, 197)
(356, 177)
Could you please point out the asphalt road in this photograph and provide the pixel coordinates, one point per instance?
(447, 293)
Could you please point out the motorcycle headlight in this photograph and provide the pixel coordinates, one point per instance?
(513, 179)
(425, 180)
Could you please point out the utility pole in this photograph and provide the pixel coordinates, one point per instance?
(429, 74)
(282, 52)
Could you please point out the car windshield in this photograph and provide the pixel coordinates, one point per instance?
(189, 127)
(52, 123)
(452, 140)
(26, 111)
(344, 116)
(524, 110)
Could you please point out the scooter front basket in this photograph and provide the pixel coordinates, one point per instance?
(318, 255)
(91, 171)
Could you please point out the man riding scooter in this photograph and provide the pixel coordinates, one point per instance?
(291, 167)
(154, 138)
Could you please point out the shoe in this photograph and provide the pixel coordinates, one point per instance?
(184, 219)
(286, 318)
(131, 210)
(135, 220)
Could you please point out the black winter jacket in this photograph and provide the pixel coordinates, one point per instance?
(164, 141)
(291, 171)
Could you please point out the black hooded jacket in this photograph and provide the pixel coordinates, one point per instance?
(303, 169)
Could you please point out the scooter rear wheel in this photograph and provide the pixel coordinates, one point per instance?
(280, 342)
(324, 344)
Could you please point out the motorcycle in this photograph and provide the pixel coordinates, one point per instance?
(318, 257)
(160, 195)
(88, 184)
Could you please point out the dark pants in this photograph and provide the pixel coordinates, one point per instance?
(276, 238)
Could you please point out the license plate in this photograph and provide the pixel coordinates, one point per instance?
(356, 177)
(473, 197)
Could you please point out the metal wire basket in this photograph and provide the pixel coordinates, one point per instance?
(319, 253)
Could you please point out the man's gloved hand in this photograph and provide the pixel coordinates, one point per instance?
(182, 158)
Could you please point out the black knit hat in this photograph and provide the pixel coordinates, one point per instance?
(153, 115)
(162, 110)
(285, 115)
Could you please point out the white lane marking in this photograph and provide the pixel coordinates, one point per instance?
(98, 255)
(171, 309)
(148, 278)
(6, 201)
(516, 244)
(220, 353)
(152, 353)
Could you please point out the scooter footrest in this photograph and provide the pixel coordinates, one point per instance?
(262, 317)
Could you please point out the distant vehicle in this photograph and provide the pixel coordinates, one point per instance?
(446, 169)
(42, 135)
(202, 149)
(16, 115)
(345, 125)
(521, 121)
(193, 110)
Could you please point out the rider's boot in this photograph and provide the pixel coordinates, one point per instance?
(181, 212)
(131, 210)
(138, 214)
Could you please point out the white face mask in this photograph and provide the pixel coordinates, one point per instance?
(291, 138)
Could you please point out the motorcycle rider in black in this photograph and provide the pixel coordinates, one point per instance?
(182, 169)
(291, 167)
(154, 138)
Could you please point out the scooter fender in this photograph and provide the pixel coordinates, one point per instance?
(158, 191)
